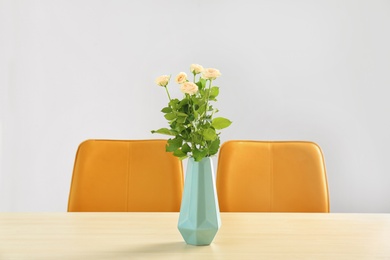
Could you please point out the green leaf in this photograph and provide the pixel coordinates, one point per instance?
(181, 114)
(214, 146)
(184, 102)
(174, 144)
(209, 134)
(179, 153)
(181, 119)
(201, 83)
(221, 122)
(173, 102)
(201, 110)
(192, 117)
(166, 110)
(164, 131)
(195, 100)
(197, 138)
(186, 148)
(214, 91)
(170, 116)
(179, 127)
(199, 154)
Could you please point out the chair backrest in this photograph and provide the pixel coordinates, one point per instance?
(279, 176)
(125, 175)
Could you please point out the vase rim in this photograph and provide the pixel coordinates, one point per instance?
(204, 158)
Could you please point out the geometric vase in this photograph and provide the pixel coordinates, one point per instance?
(199, 218)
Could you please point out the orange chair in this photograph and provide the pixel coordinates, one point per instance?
(284, 176)
(133, 175)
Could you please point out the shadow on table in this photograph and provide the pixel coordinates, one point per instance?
(172, 250)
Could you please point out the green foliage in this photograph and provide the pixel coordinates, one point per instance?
(220, 123)
(191, 123)
(164, 131)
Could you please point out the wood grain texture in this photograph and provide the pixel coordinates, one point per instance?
(155, 236)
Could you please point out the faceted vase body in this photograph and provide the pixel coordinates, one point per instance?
(199, 218)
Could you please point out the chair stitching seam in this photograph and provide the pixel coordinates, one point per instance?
(271, 175)
(127, 176)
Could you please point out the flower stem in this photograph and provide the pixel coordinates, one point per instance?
(169, 96)
(208, 97)
(194, 126)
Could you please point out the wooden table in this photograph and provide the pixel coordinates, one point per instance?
(155, 236)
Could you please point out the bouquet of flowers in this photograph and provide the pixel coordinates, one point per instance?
(191, 119)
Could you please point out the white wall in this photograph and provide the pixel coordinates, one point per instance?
(292, 70)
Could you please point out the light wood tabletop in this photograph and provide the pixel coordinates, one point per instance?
(155, 236)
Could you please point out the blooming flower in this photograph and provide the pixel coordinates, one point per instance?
(163, 80)
(210, 73)
(189, 88)
(196, 68)
(181, 78)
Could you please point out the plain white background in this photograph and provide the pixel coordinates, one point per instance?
(291, 70)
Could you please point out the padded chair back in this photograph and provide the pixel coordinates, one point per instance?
(133, 175)
(284, 176)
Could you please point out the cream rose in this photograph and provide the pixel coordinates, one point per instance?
(189, 88)
(181, 78)
(196, 68)
(163, 80)
(210, 73)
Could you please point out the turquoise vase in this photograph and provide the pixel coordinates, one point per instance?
(199, 218)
